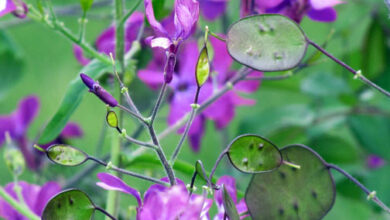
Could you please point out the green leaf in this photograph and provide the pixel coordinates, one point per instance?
(290, 193)
(374, 53)
(66, 155)
(112, 119)
(71, 101)
(254, 154)
(11, 64)
(334, 149)
(267, 42)
(202, 67)
(228, 204)
(86, 5)
(69, 204)
(372, 133)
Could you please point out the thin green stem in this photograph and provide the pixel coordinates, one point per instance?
(110, 166)
(24, 210)
(105, 213)
(217, 163)
(139, 117)
(130, 12)
(83, 24)
(119, 55)
(60, 27)
(161, 155)
(158, 103)
(183, 137)
(242, 73)
(356, 73)
(371, 195)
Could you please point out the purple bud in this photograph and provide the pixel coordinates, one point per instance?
(374, 161)
(21, 10)
(88, 81)
(104, 95)
(99, 91)
(169, 68)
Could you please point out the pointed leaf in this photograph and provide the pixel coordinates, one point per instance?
(71, 101)
(202, 67)
(267, 42)
(254, 154)
(69, 204)
(230, 207)
(66, 155)
(290, 193)
(200, 170)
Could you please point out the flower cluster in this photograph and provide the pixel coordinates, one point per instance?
(33, 195)
(170, 203)
(17, 7)
(317, 10)
(17, 124)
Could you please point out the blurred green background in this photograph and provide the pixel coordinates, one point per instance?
(321, 106)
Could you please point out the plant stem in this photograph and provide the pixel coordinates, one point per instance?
(161, 155)
(59, 26)
(158, 103)
(130, 12)
(105, 212)
(183, 137)
(360, 185)
(126, 172)
(140, 143)
(242, 73)
(139, 117)
(83, 23)
(350, 69)
(116, 142)
(24, 210)
(217, 163)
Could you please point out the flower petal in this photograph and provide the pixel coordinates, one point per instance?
(78, 53)
(322, 4)
(27, 110)
(186, 15)
(71, 130)
(7, 7)
(249, 86)
(158, 28)
(111, 182)
(212, 9)
(44, 195)
(323, 15)
(161, 42)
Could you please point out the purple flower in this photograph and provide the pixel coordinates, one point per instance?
(99, 91)
(317, 10)
(160, 202)
(16, 7)
(171, 32)
(186, 13)
(212, 9)
(230, 185)
(375, 162)
(105, 43)
(184, 88)
(35, 197)
(17, 123)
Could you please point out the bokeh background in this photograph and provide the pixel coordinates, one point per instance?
(321, 106)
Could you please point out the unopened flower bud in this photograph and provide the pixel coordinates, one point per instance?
(21, 9)
(169, 67)
(98, 90)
